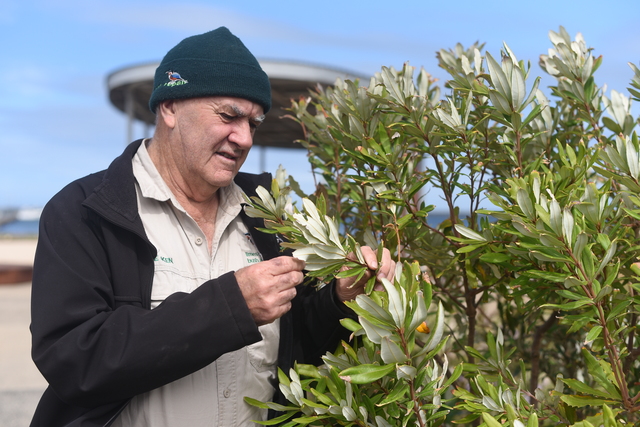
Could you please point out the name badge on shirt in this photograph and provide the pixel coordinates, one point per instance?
(252, 255)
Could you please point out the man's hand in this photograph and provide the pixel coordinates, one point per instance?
(347, 290)
(269, 286)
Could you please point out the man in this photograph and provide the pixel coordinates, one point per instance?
(155, 301)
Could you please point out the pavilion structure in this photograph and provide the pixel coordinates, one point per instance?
(130, 89)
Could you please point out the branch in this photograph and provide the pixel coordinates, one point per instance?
(535, 350)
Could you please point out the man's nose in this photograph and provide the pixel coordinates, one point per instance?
(242, 134)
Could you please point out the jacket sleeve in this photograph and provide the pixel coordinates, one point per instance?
(95, 347)
(319, 329)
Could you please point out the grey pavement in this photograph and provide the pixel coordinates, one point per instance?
(21, 384)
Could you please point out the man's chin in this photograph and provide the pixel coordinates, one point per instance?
(223, 179)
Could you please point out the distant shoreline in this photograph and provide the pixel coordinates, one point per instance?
(20, 229)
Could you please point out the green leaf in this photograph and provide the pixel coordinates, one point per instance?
(469, 248)
(351, 272)
(581, 242)
(350, 324)
(536, 110)
(278, 420)
(549, 240)
(406, 372)
(365, 306)
(495, 258)
(550, 256)
(604, 292)
(391, 352)
(309, 371)
(618, 309)
(308, 420)
(396, 303)
(283, 378)
(420, 313)
(374, 333)
(518, 88)
(570, 305)
(436, 334)
(404, 220)
(607, 256)
(525, 203)
(581, 387)
(570, 295)
(490, 421)
(399, 391)
(256, 403)
(547, 275)
(469, 233)
(366, 373)
(453, 377)
(269, 405)
(597, 371)
(567, 226)
(555, 217)
(608, 417)
(498, 77)
(582, 401)
(323, 398)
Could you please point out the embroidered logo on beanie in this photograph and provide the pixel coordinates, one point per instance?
(175, 79)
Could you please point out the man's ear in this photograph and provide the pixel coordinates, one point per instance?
(166, 111)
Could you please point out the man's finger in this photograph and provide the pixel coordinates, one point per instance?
(285, 264)
(370, 257)
(387, 267)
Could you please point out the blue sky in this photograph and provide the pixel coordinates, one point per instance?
(57, 123)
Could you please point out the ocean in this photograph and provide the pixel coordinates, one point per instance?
(26, 228)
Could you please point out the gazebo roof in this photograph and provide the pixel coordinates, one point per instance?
(130, 89)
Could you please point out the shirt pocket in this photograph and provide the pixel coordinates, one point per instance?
(263, 355)
(249, 252)
(167, 281)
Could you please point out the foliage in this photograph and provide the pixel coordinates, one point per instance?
(533, 272)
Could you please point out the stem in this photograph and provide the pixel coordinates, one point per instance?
(519, 154)
(535, 350)
(628, 362)
(442, 288)
(614, 356)
(473, 201)
(366, 207)
(446, 190)
(338, 179)
(416, 406)
(470, 308)
(470, 311)
(412, 389)
(611, 349)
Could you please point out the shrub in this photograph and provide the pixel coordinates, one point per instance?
(533, 272)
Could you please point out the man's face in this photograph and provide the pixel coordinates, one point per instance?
(214, 136)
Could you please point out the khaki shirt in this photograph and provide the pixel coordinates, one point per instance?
(212, 396)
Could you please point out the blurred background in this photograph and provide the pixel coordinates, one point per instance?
(66, 109)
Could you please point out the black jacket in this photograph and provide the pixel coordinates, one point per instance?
(95, 339)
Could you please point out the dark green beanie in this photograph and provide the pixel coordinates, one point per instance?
(216, 63)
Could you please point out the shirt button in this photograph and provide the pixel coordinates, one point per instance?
(227, 393)
(198, 241)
